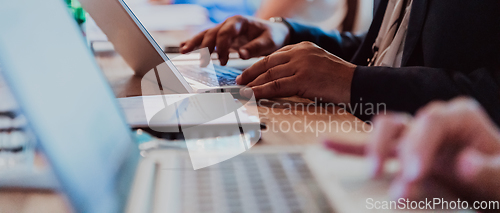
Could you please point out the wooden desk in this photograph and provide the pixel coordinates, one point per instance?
(287, 111)
(283, 111)
(27, 201)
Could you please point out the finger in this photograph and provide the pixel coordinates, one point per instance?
(479, 172)
(209, 39)
(438, 130)
(382, 143)
(420, 144)
(471, 165)
(284, 87)
(261, 66)
(417, 148)
(286, 48)
(478, 127)
(259, 46)
(189, 45)
(429, 107)
(345, 147)
(273, 73)
(435, 126)
(228, 31)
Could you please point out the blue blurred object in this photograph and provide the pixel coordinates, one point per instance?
(142, 136)
(220, 10)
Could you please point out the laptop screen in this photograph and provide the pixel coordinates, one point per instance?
(66, 99)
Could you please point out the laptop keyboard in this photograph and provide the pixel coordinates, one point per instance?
(224, 76)
(10, 135)
(253, 183)
(14, 140)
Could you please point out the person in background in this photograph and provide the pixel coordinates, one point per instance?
(453, 144)
(343, 15)
(415, 52)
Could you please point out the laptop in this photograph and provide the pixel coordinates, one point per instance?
(141, 52)
(71, 109)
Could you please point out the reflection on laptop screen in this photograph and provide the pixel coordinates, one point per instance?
(66, 99)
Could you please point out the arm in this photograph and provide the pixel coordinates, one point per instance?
(249, 36)
(407, 89)
(343, 45)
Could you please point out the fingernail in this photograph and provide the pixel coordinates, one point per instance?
(183, 49)
(223, 62)
(247, 92)
(469, 165)
(238, 79)
(412, 169)
(244, 54)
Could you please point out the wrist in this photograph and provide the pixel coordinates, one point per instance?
(346, 94)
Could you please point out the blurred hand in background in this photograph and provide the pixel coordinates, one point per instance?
(250, 37)
(453, 143)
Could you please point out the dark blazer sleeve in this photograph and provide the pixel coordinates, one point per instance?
(409, 88)
(343, 45)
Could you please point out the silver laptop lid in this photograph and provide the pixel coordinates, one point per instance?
(68, 103)
(133, 42)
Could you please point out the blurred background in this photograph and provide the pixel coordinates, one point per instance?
(327, 14)
(184, 18)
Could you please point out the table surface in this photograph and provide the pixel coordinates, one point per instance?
(280, 115)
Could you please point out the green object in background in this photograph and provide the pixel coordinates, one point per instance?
(77, 11)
